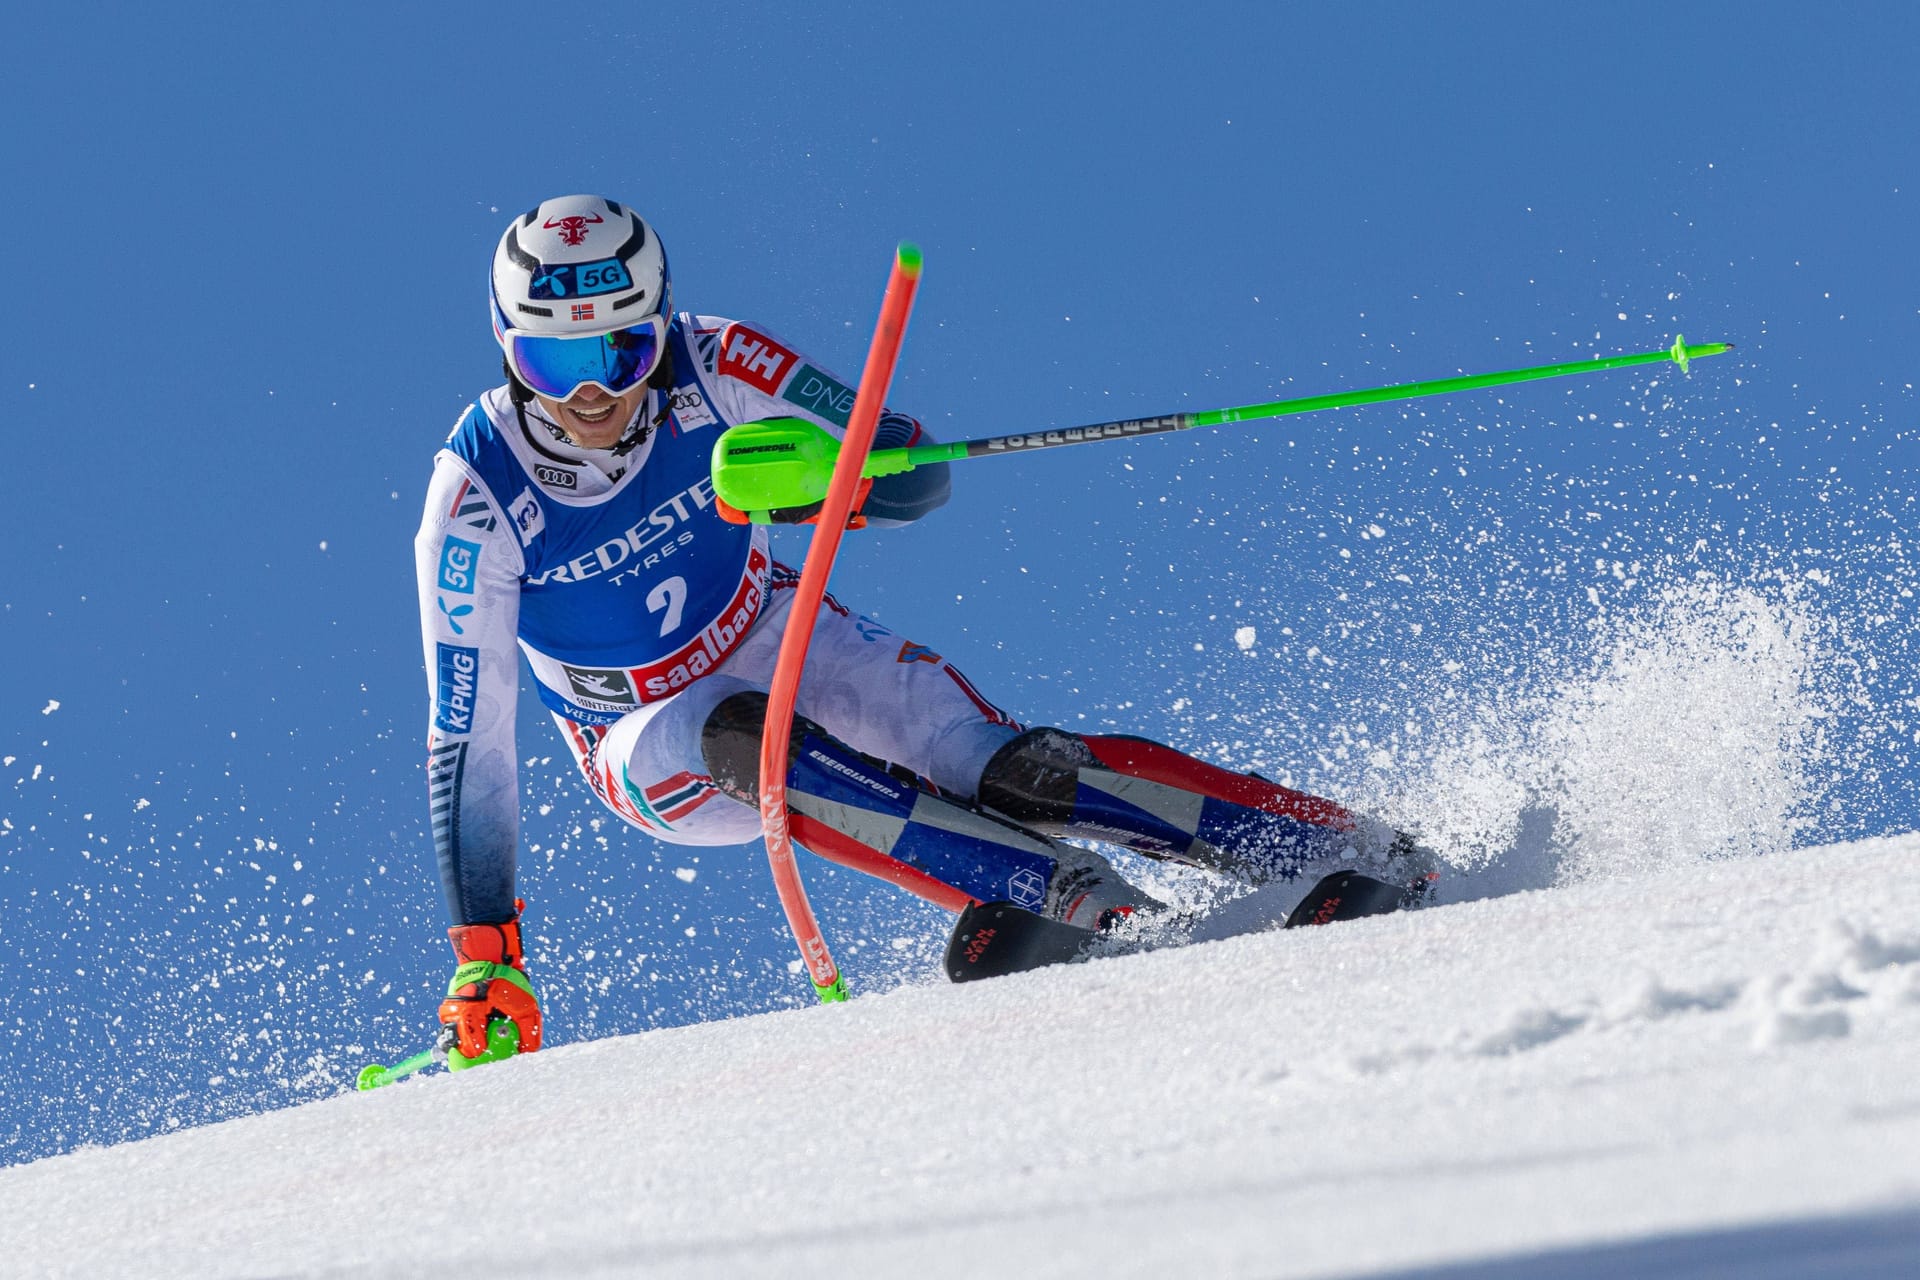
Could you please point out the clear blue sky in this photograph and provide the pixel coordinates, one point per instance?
(245, 306)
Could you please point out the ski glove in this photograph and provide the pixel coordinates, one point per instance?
(491, 1011)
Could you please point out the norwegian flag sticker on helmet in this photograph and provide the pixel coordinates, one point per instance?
(583, 311)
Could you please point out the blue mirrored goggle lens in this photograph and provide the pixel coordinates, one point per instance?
(556, 367)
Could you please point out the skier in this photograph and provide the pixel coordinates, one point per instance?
(571, 512)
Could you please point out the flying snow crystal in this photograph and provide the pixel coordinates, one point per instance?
(1244, 637)
(53, 705)
(685, 874)
(1692, 721)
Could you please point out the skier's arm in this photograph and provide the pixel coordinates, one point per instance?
(468, 564)
(904, 498)
(755, 375)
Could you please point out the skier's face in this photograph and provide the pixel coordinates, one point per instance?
(593, 419)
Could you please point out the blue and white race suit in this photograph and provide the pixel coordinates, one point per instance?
(638, 608)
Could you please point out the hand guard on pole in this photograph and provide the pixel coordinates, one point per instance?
(795, 462)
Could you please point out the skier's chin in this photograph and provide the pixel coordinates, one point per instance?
(594, 424)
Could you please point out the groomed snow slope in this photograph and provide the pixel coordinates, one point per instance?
(1715, 1067)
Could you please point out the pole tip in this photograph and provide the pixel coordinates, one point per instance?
(1682, 352)
(908, 257)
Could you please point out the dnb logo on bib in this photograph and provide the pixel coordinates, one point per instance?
(824, 395)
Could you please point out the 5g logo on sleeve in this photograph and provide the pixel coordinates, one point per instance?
(458, 560)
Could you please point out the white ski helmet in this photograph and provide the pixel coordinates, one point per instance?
(567, 272)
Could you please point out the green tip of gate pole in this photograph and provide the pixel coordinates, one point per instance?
(908, 256)
(834, 992)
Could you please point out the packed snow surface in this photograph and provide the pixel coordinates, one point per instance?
(1710, 1067)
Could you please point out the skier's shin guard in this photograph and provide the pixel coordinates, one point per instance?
(862, 813)
(1166, 804)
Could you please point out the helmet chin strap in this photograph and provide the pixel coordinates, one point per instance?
(519, 392)
(661, 381)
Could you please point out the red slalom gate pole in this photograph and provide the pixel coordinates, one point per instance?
(828, 982)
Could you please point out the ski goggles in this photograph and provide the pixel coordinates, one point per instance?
(616, 362)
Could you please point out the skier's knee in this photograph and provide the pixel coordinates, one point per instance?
(730, 743)
(1034, 777)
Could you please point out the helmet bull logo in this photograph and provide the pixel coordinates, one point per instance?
(574, 229)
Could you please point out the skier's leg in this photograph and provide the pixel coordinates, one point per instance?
(858, 811)
(687, 772)
(1164, 803)
(881, 693)
(646, 767)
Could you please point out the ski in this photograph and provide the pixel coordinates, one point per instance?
(993, 939)
(1348, 895)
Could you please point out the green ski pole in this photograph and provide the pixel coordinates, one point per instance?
(787, 462)
(373, 1075)
(503, 1041)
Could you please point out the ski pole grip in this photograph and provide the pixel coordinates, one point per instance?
(887, 462)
